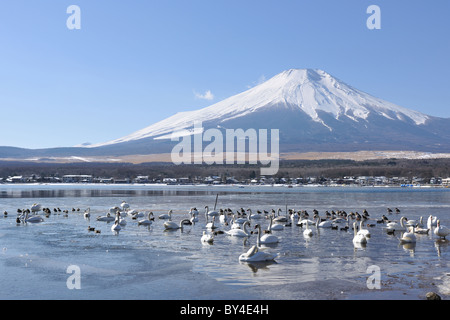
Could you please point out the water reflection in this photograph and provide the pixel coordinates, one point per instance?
(328, 254)
(256, 266)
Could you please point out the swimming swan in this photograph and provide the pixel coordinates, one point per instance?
(170, 225)
(148, 221)
(408, 237)
(207, 238)
(87, 213)
(211, 213)
(239, 232)
(105, 218)
(307, 232)
(33, 219)
(358, 238)
(364, 232)
(254, 255)
(266, 238)
(166, 215)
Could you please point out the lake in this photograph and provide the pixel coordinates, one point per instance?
(141, 262)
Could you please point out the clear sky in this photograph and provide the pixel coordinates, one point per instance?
(136, 62)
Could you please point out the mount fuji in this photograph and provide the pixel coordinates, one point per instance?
(313, 111)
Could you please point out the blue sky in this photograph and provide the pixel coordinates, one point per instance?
(136, 62)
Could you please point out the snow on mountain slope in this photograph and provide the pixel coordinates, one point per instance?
(311, 91)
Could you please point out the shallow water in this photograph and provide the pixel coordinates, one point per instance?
(149, 263)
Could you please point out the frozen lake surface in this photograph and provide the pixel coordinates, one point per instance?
(143, 262)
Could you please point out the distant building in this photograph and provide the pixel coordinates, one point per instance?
(77, 178)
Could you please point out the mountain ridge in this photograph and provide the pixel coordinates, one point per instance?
(313, 111)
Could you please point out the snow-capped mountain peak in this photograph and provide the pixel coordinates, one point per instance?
(311, 91)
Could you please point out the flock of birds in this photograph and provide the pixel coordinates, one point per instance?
(239, 221)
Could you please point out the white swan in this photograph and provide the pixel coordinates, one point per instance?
(301, 223)
(125, 206)
(105, 218)
(211, 213)
(307, 232)
(234, 224)
(87, 213)
(116, 226)
(134, 214)
(358, 238)
(408, 237)
(36, 207)
(239, 232)
(395, 226)
(431, 222)
(324, 224)
(267, 238)
(254, 255)
(275, 226)
(113, 210)
(166, 215)
(207, 238)
(223, 218)
(419, 230)
(210, 225)
(279, 218)
(441, 231)
(194, 217)
(33, 219)
(148, 221)
(364, 232)
(254, 215)
(170, 225)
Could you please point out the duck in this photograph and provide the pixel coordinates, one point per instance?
(148, 221)
(91, 228)
(441, 231)
(358, 238)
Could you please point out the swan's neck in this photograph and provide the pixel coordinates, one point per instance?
(259, 236)
(245, 227)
